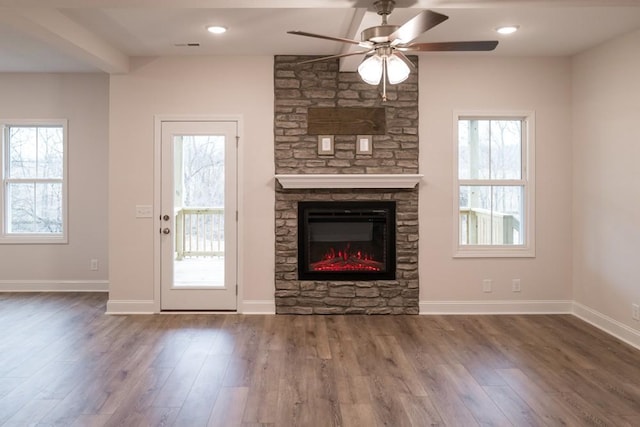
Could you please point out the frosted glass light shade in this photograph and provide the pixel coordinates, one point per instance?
(370, 70)
(397, 70)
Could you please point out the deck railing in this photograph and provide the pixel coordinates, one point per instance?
(483, 227)
(199, 232)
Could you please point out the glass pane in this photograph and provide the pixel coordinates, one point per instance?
(21, 209)
(506, 154)
(508, 208)
(48, 208)
(203, 176)
(36, 152)
(22, 152)
(199, 210)
(475, 215)
(473, 149)
(50, 152)
(35, 208)
(464, 165)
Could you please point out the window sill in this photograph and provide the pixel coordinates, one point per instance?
(33, 240)
(494, 252)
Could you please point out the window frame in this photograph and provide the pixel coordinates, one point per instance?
(527, 181)
(32, 238)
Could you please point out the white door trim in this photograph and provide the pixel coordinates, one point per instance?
(157, 175)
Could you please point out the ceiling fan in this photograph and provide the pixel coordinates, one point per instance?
(385, 45)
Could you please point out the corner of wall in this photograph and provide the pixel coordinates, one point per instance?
(607, 324)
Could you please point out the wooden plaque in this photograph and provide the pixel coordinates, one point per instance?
(346, 121)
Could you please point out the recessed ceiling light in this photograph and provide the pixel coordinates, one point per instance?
(507, 29)
(216, 29)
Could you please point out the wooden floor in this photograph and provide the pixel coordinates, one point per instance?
(64, 362)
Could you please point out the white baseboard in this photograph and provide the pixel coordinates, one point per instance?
(54, 286)
(150, 307)
(258, 307)
(131, 307)
(496, 307)
(607, 324)
(601, 321)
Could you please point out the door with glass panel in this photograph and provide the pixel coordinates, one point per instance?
(198, 216)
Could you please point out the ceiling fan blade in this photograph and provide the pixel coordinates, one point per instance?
(309, 61)
(417, 25)
(335, 39)
(475, 46)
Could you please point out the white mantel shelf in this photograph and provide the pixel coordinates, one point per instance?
(299, 181)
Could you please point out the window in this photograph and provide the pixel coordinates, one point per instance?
(34, 186)
(494, 185)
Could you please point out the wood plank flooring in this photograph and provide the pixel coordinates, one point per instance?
(63, 362)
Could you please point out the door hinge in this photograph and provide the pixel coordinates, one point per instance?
(236, 216)
(236, 289)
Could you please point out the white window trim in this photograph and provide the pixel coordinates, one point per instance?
(526, 250)
(35, 238)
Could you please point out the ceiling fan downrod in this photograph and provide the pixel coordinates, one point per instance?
(384, 9)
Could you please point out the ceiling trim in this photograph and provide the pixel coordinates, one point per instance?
(59, 31)
(274, 4)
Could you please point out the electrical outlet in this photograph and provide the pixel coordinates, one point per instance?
(93, 265)
(515, 285)
(635, 311)
(486, 285)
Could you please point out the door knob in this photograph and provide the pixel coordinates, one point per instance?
(166, 231)
(166, 217)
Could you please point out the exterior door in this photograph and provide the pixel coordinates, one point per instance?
(198, 216)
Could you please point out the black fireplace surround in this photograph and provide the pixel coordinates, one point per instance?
(347, 240)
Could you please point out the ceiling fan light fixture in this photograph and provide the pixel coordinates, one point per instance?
(397, 70)
(384, 59)
(370, 70)
(216, 29)
(507, 29)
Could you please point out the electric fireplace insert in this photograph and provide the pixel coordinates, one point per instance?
(347, 240)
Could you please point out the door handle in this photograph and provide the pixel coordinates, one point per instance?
(166, 231)
(166, 217)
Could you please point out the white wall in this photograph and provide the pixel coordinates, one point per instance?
(606, 179)
(542, 85)
(188, 86)
(211, 86)
(597, 92)
(82, 99)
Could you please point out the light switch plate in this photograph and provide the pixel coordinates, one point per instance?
(144, 211)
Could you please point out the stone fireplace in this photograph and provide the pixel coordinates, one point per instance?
(352, 288)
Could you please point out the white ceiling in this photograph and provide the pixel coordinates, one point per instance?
(101, 35)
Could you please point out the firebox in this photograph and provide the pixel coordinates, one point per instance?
(347, 240)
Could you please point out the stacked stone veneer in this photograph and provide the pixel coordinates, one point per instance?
(298, 87)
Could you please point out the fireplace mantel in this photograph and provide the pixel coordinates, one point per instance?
(300, 181)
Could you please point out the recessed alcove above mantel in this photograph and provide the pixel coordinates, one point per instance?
(300, 181)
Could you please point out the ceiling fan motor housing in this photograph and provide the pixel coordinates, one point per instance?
(379, 34)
